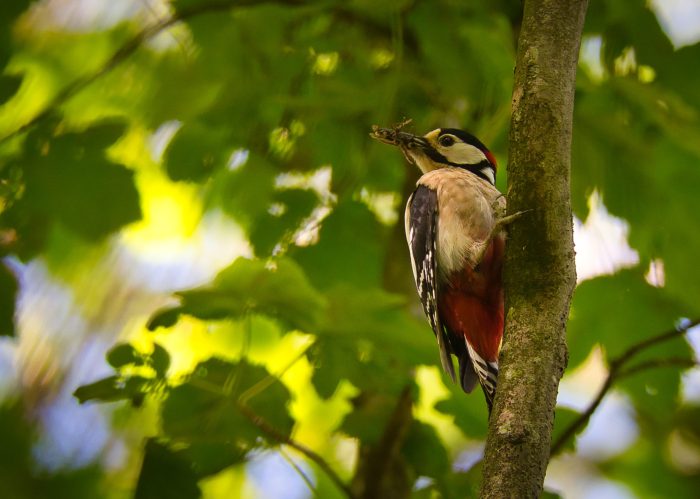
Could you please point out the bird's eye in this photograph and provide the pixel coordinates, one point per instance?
(447, 140)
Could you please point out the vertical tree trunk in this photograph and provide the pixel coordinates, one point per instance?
(540, 273)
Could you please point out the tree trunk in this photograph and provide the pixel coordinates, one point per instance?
(540, 273)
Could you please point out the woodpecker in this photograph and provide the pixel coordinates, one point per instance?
(455, 222)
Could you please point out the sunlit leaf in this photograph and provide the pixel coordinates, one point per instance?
(250, 286)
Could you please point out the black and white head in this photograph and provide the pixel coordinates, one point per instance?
(445, 147)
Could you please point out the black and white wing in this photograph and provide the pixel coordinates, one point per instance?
(421, 220)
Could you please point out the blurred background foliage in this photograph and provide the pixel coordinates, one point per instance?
(197, 232)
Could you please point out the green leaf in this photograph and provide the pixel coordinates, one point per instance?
(342, 254)
(246, 193)
(251, 286)
(122, 355)
(634, 159)
(195, 152)
(70, 181)
(165, 317)
(381, 318)
(114, 388)
(207, 406)
(160, 360)
(296, 205)
(333, 360)
(106, 390)
(209, 458)
(8, 295)
(165, 474)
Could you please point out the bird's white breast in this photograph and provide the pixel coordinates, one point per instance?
(468, 208)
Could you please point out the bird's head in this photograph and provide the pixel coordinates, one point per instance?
(443, 147)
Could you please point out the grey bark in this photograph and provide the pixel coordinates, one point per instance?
(539, 274)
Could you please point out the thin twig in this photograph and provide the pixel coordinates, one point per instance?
(127, 49)
(682, 362)
(299, 471)
(655, 340)
(270, 379)
(616, 372)
(276, 435)
(281, 438)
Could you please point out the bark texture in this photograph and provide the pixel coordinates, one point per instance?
(540, 272)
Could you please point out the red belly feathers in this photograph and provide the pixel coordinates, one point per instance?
(471, 303)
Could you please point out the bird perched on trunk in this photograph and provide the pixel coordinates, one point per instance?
(455, 223)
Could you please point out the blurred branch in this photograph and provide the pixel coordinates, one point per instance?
(381, 471)
(281, 438)
(128, 48)
(682, 362)
(617, 371)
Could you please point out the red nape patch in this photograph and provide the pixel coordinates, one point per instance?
(492, 159)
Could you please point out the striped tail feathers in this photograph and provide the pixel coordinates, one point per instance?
(487, 372)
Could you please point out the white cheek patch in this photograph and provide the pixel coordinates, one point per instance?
(462, 154)
(489, 174)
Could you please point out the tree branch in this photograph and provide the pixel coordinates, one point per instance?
(617, 371)
(281, 438)
(127, 49)
(381, 470)
(539, 273)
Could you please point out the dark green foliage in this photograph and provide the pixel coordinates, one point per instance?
(69, 180)
(165, 474)
(8, 294)
(114, 388)
(123, 355)
(209, 405)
